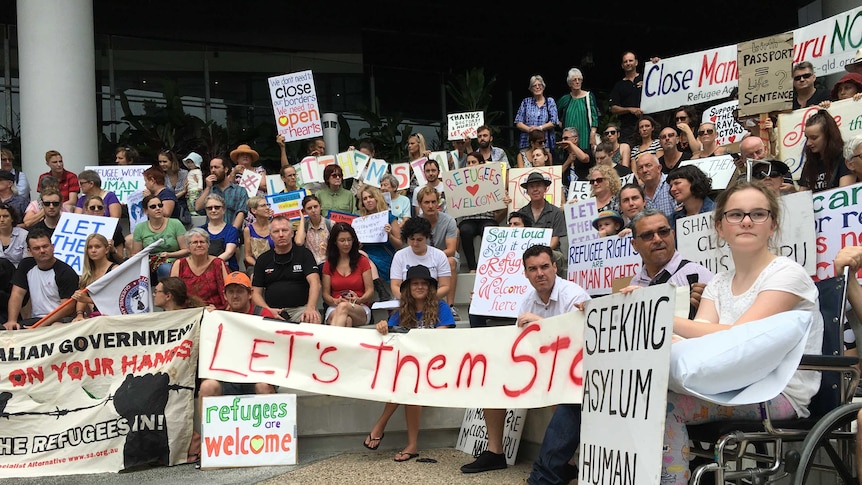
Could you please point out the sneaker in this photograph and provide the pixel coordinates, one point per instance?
(485, 462)
(455, 313)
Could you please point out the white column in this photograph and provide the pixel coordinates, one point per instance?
(57, 70)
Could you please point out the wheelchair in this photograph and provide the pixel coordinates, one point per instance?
(754, 452)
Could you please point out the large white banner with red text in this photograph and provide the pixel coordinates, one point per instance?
(101, 395)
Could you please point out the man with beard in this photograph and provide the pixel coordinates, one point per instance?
(489, 152)
(235, 197)
(432, 176)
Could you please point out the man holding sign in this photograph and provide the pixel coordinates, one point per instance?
(48, 281)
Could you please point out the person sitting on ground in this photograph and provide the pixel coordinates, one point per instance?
(13, 239)
(95, 206)
(444, 236)
(224, 238)
(96, 264)
(347, 281)
(256, 234)
(419, 308)
(313, 229)
(35, 210)
(91, 184)
(381, 254)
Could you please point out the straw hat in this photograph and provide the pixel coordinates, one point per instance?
(244, 149)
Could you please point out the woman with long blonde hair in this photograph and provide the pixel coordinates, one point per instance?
(97, 263)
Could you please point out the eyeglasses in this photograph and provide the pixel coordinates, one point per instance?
(577, 80)
(681, 118)
(51, 203)
(707, 131)
(96, 207)
(214, 207)
(649, 235)
(85, 182)
(856, 156)
(290, 175)
(611, 132)
(597, 180)
(757, 216)
(667, 136)
(336, 175)
(159, 205)
(534, 86)
(802, 76)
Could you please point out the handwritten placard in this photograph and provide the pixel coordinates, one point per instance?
(371, 228)
(294, 103)
(401, 171)
(122, 180)
(765, 83)
(261, 433)
(347, 162)
(287, 204)
(519, 195)
(464, 124)
(70, 236)
(442, 159)
(473, 436)
(596, 263)
(838, 222)
(500, 283)
(418, 168)
(375, 169)
(698, 241)
(720, 169)
(345, 217)
(250, 181)
(627, 345)
(579, 190)
(473, 190)
(728, 130)
(791, 130)
(579, 220)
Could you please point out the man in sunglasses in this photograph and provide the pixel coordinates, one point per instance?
(8, 196)
(51, 206)
(805, 90)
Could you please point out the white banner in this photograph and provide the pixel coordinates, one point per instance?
(294, 103)
(370, 229)
(70, 236)
(250, 181)
(595, 264)
(627, 345)
(728, 131)
(497, 367)
(500, 283)
(476, 189)
(720, 169)
(102, 395)
(126, 289)
(697, 240)
(122, 180)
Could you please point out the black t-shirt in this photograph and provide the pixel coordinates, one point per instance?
(41, 225)
(55, 284)
(665, 169)
(283, 276)
(627, 94)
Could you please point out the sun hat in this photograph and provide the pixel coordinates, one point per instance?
(608, 214)
(244, 149)
(195, 158)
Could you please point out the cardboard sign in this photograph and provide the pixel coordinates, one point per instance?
(460, 125)
(70, 236)
(500, 283)
(100, 395)
(249, 430)
(728, 130)
(579, 221)
(287, 204)
(453, 367)
(310, 169)
(122, 180)
(474, 190)
(518, 194)
(791, 130)
(720, 169)
(627, 355)
(294, 103)
(347, 162)
(473, 436)
(765, 81)
(274, 184)
(596, 263)
(579, 190)
(698, 241)
(250, 181)
(442, 159)
(371, 228)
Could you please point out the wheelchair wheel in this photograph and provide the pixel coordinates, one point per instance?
(830, 438)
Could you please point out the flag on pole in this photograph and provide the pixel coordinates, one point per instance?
(126, 289)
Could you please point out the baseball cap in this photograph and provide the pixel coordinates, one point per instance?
(195, 158)
(237, 278)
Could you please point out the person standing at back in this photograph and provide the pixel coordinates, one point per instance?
(537, 113)
(578, 108)
(806, 92)
(625, 97)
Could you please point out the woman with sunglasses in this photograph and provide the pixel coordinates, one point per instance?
(605, 186)
(256, 235)
(622, 151)
(223, 237)
(203, 273)
(707, 136)
(91, 184)
(334, 197)
(95, 206)
(646, 139)
(346, 277)
(525, 155)
(97, 263)
(685, 119)
(158, 226)
(761, 285)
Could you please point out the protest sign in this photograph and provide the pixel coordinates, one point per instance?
(418, 168)
(102, 395)
(720, 169)
(596, 263)
(70, 236)
(473, 436)
(727, 130)
(765, 81)
(250, 181)
(838, 224)
(347, 162)
(442, 159)
(135, 203)
(336, 216)
(698, 241)
(127, 288)
(579, 190)
(287, 204)
(500, 283)
(248, 430)
(579, 221)
(371, 228)
(519, 196)
(627, 343)
(499, 367)
(294, 103)
(375, 169)
(474, 190)
(791, 130)
(310, 169)
(274, 184)
(122, 180)
(460, 125)
(401, 171)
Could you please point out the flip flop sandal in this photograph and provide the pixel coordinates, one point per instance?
(409, 456)
(368, 440)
